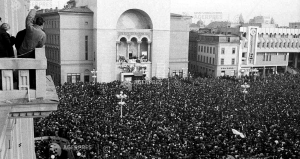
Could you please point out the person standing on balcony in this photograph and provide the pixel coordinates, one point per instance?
(6, 42)
(35, 36)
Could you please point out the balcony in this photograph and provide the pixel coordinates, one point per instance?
(24, 100)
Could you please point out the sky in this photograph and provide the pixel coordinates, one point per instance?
(282, 11)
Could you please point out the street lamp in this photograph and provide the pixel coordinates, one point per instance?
(121, 96)
(244, 91)
(94, 72)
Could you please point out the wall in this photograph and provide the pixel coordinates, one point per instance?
(179, 43)
(106, 35)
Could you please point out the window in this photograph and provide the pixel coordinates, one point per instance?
(201, 48)
(204, 49)
(233, 61)
(206, 59)
(258, 44)
(276, 44)
(228, 39)
(222, 61)
(279, 44)
(201, 58)
(284, 57)
(270, 57)
(86, 78)
(267, 44)
(210, 50)
(213, 62)
(243, 54)
(233, 50)
(210, 60)
(73, 77)
(223, 51)
(214, 50)
(86, 47)
(283, 44)
(263, 44)
(264, 55)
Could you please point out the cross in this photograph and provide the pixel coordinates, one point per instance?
(94, 72)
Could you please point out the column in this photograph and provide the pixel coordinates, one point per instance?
(128, 47)
(139, 50)
(7, 80)
(117, 50)
(149, 53)
(275, 69)
(23, 79)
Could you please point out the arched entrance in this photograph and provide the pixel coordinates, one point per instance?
(134, 36)
(133, 44)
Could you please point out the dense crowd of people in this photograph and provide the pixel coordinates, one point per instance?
(180, 118)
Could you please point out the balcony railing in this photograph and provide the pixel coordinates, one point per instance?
(16, 77)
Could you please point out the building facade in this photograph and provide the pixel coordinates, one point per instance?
(251, 50)
(268, 50)
(131, 43)
(69, 47)
(217, 55)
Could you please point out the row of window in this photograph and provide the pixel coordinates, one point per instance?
(52, 54)
(271, 35)
(232, 61)
(51, 24)
(207, 49)
(223, 51)
(205, 59)
(278, 45)
(75, 77)
(268, 56)
(52, 39)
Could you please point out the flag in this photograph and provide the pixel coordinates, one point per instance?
(238, 133)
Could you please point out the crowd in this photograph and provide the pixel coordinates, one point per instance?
(180, 119)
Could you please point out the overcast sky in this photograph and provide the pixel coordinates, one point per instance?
(283, 11)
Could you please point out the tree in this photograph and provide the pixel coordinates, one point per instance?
(241, 19)
(37, 7)
(272, 21)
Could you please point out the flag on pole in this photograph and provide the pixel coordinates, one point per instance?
(238, 133)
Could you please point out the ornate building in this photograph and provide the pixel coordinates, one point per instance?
(121, 43)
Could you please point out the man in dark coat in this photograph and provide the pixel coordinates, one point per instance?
(6, 49)
(35, 36)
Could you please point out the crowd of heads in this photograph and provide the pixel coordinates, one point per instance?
(180, 118)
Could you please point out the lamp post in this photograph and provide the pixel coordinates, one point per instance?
(184, 72)
(121, 96)
(94, 72)
(244, 91)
